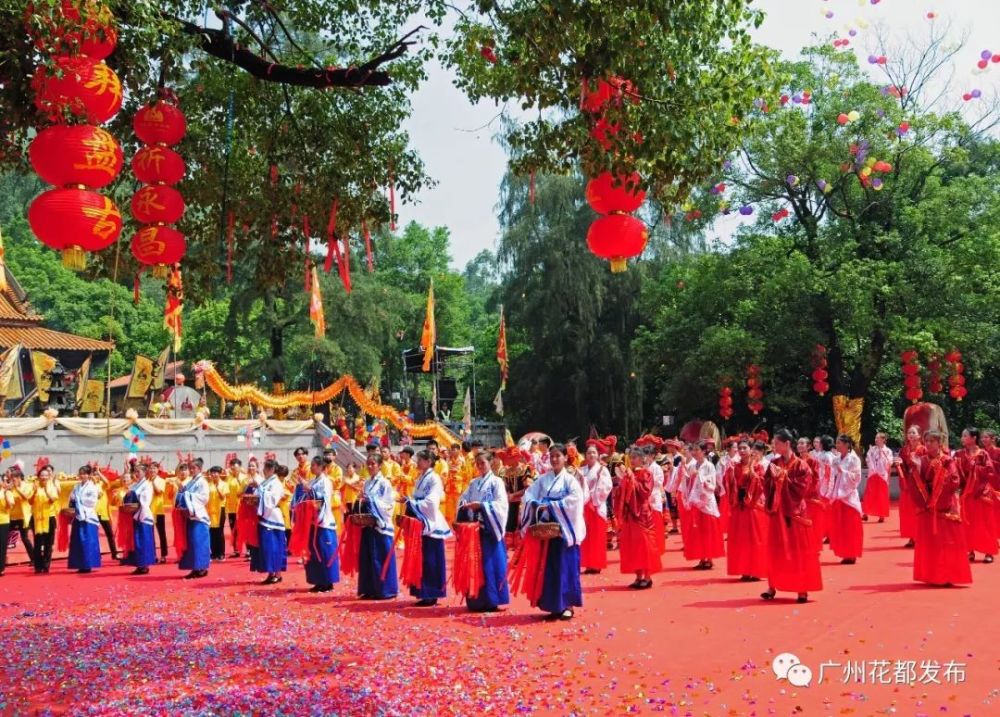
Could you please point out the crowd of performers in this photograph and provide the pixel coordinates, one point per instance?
(525, 522)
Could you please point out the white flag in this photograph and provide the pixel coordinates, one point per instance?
(498, 402)
(467, 411)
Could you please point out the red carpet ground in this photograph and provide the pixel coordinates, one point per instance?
(696, 644)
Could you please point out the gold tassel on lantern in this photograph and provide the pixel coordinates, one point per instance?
(74, 258)
(161, 271)
(618, 265)
(847, 416)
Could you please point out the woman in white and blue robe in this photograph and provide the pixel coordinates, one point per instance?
(557, 497)
(323, 566)
(485, 501)
(84, 548)
(271, 524)
(378, 499)
(425, 505)
(193, 498)
(144, 553)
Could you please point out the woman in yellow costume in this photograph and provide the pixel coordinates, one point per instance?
(236, 481)
(104, 483)
(44, 508)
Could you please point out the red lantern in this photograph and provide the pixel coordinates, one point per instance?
(72, 28)
(159, 247)
(99, 43)
(959, 392)
(607, 197)
(726, 402)
(603, 131)
(81, 86)
(617, 237)
(914, 394)
(79, 154)
(911, 375)
(158, 165)
(821, 387)
(75, 221)
(911, 369)
(157, 204)
(160, 123)
(911, 381)
(819, 374)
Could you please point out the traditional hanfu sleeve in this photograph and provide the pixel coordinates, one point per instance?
(425, 506)
(380, 501)
(495, 506)
(568, 511)
(601, 489)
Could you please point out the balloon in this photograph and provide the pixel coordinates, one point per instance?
(882, 59)
(982, 64)
(995, 59)
(976, 94)
(986, 54)
(843, 119)
(792, 180)
(746, 210)
(966, 97)
(821, 183)
(852, 32)
(872, 59)
(853, 115)
(877, 184)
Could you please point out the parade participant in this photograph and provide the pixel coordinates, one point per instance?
(235, 483)
(408, 471)
(747, 548)
(485, 502)
(20, 514)
(377, 559)
(975, 472)
(247, 528)
(656, 498)
(140, 495)
(817, 507)
(722, 489)
(218, 492)
(793, 561)
(84, 547)
(940, 556)
(353, 483)
(556, 497)
(594, 548)
(989, 440)
(879, 462)
(161, 483)
(103, 509)
(44, 508)
(517, 477)
(453, 482)
(294, 481)
(703, 540)
(637, 539)
(846, 533)
(335, 474)
(424, 504)
(907, 508)
(824, 479)
(672, 473)
(191, 503)
(6, 503)
(271, 523)
(323, 565)
(540, 455)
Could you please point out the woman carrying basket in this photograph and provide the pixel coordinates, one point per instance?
(483, 506)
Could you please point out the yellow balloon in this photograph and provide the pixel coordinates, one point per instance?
(866, 172)
(854, 115)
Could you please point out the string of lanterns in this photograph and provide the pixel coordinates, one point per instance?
(726, 403)
(755, 394)
(158, 204)
(820, 375)
(76, 91)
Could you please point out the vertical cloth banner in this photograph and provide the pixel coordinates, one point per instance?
(82, 376)
(428, 337)
(142, 377)
(93, 397)
(174, 307)
(160, 370)
(316, 305)
(11, 381)
(502, 352)
(42, 365)
(467, 411)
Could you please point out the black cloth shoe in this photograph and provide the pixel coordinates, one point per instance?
(769, 595)
(192, 575)
(427, 602)
(848, 561)
(802, 599)
(316, 589)
(140, 571)
(988, 559)
(566, 614)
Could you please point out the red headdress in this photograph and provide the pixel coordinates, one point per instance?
(649, 440)
(605, 446)
(42, 462)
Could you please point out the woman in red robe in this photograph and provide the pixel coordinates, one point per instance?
(636, 536)
(989, 441)
(704, 540)
(975, 471)
(747, 518)
(793, 561)
(907, 507)
(940, 555)
(816, 504)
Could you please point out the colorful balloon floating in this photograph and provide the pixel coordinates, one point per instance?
(911, 375)
(755, 394)
(779, 215)
(75, 91)
(746, 210)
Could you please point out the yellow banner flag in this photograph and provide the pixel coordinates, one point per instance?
(42, 365)
(429, 335)
(11, 381)
(316, 305)
(81, 380)
(160, 370)
(142, 377)
(93, 397)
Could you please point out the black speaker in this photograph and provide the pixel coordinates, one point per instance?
(447, 393)
(418, 407)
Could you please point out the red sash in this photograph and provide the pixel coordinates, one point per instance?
(527, 573)
(126, 531)
(180, 521)
(305, 518)
(350, 548)
(467, 574)
(246, 526)
(412, 572)
(62, 534)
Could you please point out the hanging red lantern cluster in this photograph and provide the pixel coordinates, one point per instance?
(755, 394)
(956, 380)
(911, 375)
(934, 384)
(158, 205)
(616, 236)
(726, 403)
(77, 92)
(820, 375)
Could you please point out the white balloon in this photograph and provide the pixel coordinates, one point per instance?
(800, 676)
(783, 663)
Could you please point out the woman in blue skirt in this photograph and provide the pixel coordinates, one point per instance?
(377, 499)
(323, 566)
(271, 523)
(425, 505)
(141, 495)
(192, 498)
(84, 548)
(485, 502)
